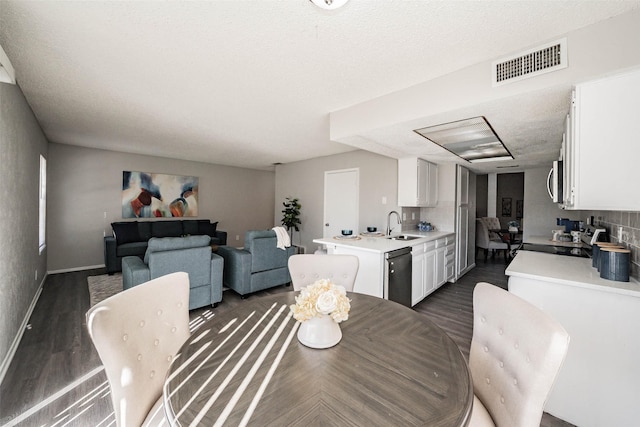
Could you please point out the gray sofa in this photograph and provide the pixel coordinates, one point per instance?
(191, 254)
(130, 237)
(260, 265)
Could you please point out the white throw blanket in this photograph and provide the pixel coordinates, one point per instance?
(283, 238)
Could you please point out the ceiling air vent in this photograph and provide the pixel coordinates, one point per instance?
(540, 60)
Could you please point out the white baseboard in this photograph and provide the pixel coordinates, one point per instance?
(4, 367)
(69, 270)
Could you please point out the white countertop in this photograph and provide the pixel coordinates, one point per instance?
(567, 270)
(382, 244)
(546, 240)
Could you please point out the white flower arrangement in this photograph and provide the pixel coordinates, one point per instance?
(322, 297)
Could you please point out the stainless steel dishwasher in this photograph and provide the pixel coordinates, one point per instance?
(397, 277)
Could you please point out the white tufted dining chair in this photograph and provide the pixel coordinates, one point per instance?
(516, 353)
(340, 269)
(137, 333)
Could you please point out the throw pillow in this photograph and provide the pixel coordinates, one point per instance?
(166, 229)
(191, 227)
(126, 232)
(207, 228)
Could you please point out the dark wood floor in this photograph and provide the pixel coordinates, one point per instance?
(56, 378)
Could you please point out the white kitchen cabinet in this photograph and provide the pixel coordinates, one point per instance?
(417, 183)
(600, 156)
(418, 271)
(433, 264)
(430, 285)
(423, 271)
(445, 260)
(450, 258)
(441, 265)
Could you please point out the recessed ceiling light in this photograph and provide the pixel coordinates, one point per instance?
(471, 139)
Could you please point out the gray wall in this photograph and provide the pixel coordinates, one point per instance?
(84, 183)
(21, 143)
(305, 180)
(509, 185)
(540, 212)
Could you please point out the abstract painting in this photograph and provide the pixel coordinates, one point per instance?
(148, 195)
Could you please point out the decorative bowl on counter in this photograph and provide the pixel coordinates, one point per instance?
(425, 226)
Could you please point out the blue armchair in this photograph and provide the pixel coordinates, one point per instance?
(190, 254)
(260, 265)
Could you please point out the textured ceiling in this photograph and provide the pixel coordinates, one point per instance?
(252, 83)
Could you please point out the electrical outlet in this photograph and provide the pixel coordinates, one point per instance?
(404, 216)
(384, 200)
(413, 216)
(104, 215)
(36, 276)
(237, 237)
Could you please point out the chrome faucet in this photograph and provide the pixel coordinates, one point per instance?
(388, 231)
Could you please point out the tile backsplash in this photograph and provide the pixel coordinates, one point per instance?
(623, 228)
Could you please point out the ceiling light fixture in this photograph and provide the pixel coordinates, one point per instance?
(471, 139)
(329, 4)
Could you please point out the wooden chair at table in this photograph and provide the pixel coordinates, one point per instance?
(137, 333)
(516, 353)
(340, 269)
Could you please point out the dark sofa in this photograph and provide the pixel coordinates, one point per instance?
(130, 238)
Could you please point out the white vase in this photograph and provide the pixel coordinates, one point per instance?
(319, 332)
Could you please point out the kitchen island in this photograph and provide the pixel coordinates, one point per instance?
(432, 252)
(598, 384)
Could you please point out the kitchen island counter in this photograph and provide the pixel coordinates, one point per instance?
(566, 270)
(598, 382)
(371, 278)
(382, 244)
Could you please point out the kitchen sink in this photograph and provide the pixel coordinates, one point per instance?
(403, 237)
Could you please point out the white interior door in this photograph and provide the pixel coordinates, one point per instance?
(341, 195)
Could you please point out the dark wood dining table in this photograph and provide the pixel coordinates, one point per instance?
(393, 366)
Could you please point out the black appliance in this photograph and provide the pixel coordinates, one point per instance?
(556, 250)
(398, 276)
(590, 235)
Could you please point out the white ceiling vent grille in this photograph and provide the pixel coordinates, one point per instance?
(540, 60)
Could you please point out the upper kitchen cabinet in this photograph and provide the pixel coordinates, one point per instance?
(602, 145)
(417, 183)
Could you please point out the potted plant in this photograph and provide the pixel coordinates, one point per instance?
(291, 215)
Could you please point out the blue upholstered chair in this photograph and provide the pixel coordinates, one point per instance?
(259, 265)
(191, 254)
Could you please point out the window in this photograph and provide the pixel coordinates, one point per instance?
(42, 196)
